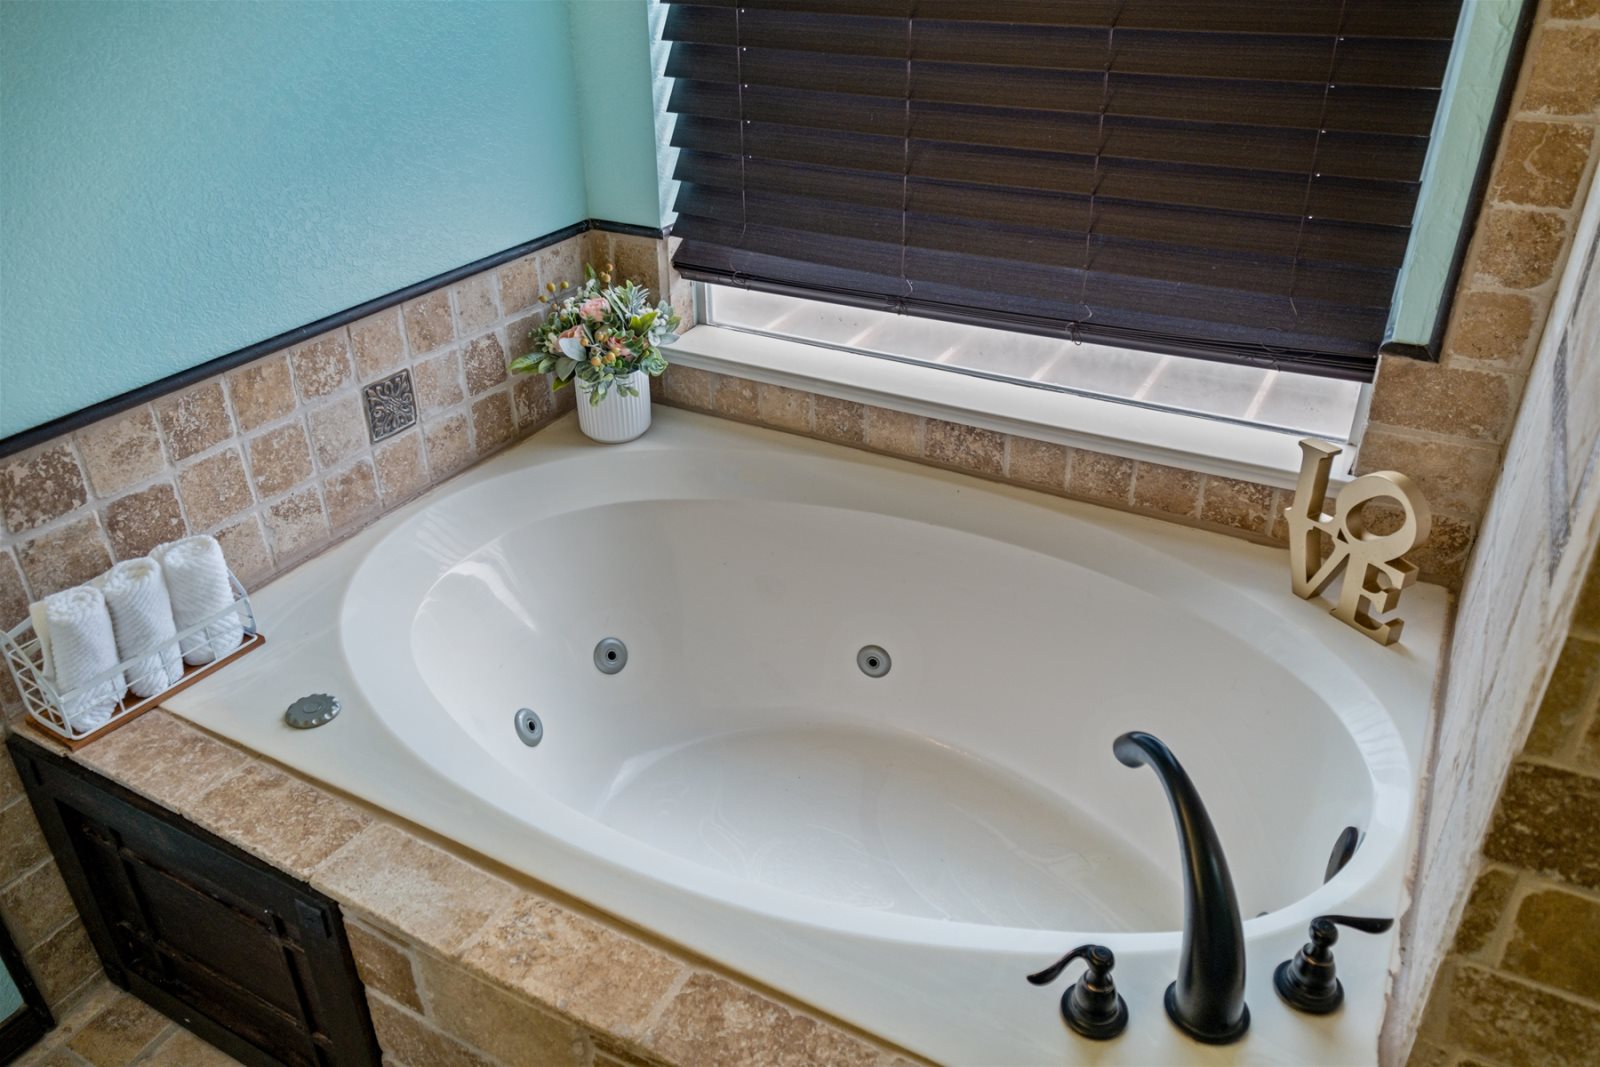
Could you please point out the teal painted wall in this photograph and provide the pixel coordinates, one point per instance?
(180, 180)
(617, 125)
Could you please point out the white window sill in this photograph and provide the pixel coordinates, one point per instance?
(1249, 453)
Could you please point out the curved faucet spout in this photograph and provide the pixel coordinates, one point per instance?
(1207, 1000)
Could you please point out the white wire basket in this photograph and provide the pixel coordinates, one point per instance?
(74, 716)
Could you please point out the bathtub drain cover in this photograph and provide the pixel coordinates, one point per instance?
(312, 711)
(873, 661)
(610, 655)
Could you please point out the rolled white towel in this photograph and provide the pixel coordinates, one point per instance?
(77, 630)
(197, 583)
(141, 618)
(41, 631)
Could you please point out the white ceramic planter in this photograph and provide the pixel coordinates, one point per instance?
(617, 418)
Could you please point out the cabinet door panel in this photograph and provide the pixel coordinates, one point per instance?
(249, 958)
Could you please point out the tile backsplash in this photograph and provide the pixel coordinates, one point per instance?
(285, 455)
(1226, 505)
(279, 459)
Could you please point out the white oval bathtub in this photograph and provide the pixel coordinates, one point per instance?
(901, 850)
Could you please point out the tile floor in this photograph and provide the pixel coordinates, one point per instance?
(110, 1028)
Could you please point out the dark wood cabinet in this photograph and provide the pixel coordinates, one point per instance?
(252, 960)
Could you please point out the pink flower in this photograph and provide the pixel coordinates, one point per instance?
(593, 308)
(580, 332)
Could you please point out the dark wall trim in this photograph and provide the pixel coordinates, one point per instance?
(35, 435)
(628, 228)
(1434, 349)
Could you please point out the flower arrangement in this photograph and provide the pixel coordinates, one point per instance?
(599, 333)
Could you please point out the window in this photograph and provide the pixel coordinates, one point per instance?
(1230, 180)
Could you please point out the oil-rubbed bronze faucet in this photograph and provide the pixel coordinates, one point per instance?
(1207, 1000)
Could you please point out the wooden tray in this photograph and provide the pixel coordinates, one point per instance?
(191, 675)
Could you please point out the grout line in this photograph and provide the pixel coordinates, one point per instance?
(155, 1044)
(1575, 999)
(653, 1017)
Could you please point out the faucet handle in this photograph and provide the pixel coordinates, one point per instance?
(1092, 1007)
(1344, 850)
(1309, 982)
(1324, 925)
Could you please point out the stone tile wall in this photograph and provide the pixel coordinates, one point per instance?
(35, 905)
(110, 1028)
(1543, 515)
(1521, 985)
(465, 963)
(1447, 424)
(1223, 504)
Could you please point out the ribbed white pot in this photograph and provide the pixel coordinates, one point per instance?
(616, 418)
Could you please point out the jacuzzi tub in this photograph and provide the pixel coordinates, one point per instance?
(899, 851)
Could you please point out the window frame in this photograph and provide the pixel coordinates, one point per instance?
(1146, 432)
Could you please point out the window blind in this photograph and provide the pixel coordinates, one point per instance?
(1229, 179)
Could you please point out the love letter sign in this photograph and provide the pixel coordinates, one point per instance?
(1374, 573)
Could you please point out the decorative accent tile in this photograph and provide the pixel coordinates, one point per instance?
(391, 406)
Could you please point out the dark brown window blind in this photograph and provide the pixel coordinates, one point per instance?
(1231, 179)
